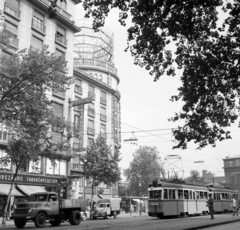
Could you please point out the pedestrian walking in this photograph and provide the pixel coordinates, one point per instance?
(234, 207)
(210, 205)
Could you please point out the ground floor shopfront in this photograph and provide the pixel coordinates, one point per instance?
(26, 184)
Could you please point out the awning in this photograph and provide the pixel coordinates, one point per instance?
(96, 198)
(5, 188)
(28, 190)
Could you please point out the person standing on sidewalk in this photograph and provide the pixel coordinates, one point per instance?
(234, 206)
(210, 205)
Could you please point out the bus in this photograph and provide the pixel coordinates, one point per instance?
(167, 198)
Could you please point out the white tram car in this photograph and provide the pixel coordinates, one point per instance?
(179, 199)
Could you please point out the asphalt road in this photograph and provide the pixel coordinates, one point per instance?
(143, 222)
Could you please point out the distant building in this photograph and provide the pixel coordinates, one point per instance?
(232, 171)
(210, 178)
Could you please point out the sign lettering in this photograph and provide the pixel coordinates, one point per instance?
(82, 101)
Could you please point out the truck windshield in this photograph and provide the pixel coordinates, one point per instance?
(38, 197)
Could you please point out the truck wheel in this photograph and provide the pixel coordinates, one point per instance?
(40, 220)
(56, 222)
(75, 218)
(105, 216)
(20, 223)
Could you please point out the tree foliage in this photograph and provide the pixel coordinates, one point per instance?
(195, 177)
(100, 164)
(206, 50)
(145, 167)
(26, 111)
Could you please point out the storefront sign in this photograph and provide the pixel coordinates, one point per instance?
(82, 101)
(29, 179)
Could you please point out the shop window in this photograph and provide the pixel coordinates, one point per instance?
(35, 167)
(2, 165)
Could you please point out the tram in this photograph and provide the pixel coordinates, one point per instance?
(179, 199)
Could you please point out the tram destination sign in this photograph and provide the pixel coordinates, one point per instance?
(81, 101)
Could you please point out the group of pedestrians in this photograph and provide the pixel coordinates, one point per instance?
(234, 204)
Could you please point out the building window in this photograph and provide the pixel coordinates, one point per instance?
(38, 22)
(103, 116)
(11, 32)
(59, 53)
(59, 168)
(58, 109)
(76, 121)
(2, 165)
(109, 80)
(12, 8)
(103, 98)
(100, 78)
(36, 44)
(90, 142)
(103, 130)
(61, 36)
(90, 128)
(230, 163)
(238, 162)
(56, 137)
(91, 92)
(78, 86)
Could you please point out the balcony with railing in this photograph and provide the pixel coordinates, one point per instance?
(38, 26)
(90, 131)
(13, 40)
(103, 100)
(63, 15)
(103, 117)
(91, 112)
(78, 62)
(76, 167)
(12, 11)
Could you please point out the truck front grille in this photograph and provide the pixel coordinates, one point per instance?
(21, 211)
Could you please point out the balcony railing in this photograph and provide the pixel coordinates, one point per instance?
(91, 94)
(103, 117)
(12, 11)
(76, 167)
(103, 100)
(78, 89)
(13, 40)
(91, 112)
(61, 40)
(62, 12)
(78, 62)
(36, 25)
(90, 131)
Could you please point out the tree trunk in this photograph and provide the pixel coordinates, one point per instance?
(9, 196)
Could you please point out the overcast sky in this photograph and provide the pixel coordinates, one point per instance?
(145, 106)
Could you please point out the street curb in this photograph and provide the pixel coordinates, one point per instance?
(212, 225)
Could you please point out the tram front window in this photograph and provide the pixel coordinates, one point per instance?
(155, 194)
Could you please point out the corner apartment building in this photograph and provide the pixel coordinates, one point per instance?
(28, 24)
(232, 171)
(96, 77)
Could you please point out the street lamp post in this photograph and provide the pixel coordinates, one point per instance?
(140, 185)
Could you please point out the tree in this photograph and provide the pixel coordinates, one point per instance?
(195, 177)
(26, 110)
(145, 167)
(100, 164)
(207, 52)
